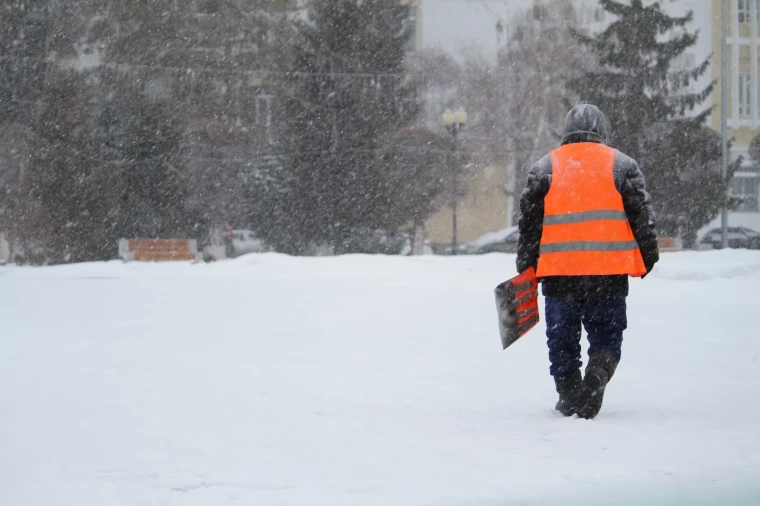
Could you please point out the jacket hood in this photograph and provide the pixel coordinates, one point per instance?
(586, 123)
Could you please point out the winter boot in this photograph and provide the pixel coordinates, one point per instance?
(568, 388)
(601, 366)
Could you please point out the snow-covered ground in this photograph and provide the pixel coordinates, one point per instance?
(361, 380)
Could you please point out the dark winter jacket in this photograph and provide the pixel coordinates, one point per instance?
(586, 123)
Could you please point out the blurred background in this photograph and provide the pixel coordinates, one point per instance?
(347, 126)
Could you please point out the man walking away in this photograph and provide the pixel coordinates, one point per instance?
(586, 224)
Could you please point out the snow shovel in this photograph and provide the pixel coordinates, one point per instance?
(517, 306)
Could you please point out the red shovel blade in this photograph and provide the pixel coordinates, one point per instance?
(517, 306)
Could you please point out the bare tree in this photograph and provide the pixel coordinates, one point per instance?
(516, 106)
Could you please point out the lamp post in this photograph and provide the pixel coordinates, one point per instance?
(454, 121)
(724, 117)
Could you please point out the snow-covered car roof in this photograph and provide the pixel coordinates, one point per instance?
(493, 237)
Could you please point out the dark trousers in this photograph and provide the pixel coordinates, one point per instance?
(604, 321)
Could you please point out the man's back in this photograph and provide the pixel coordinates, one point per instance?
(585, 175)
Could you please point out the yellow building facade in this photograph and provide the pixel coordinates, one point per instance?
(742, 59)
(484, 209)
(743, 92)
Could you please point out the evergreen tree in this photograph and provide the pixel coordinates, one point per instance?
(633, 82)
(201, 34)
(754, 153)
(63, 176)
(17, 145)
(637, 83)
(345, 91)
(226, 130)
(24, 34)
(140, 144)
(690, 191)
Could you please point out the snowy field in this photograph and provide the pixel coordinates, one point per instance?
(361, 380)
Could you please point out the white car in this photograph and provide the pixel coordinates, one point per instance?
(501, 241)
(244, 241)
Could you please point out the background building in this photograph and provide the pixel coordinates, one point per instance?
(484, 209)
(743, 89)
(415, 19)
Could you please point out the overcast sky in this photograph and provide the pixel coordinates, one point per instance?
(457, 24)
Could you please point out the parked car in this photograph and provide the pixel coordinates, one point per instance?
(738, 237)
(501, 241)
(241, 242)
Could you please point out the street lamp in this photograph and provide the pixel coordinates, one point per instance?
(724, 118)
(454, 121)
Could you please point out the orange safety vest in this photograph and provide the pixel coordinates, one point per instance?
(586, 230)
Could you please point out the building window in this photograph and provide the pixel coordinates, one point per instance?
(743, 11)
(747, 190)
(745, 95)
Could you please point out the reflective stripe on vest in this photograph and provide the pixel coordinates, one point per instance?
(586, 230)
(561, 219)
(559, 247)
